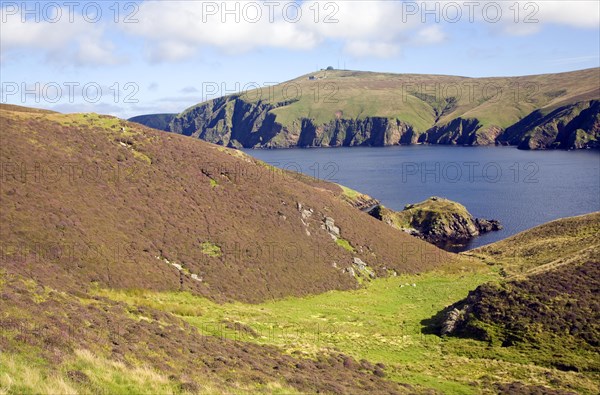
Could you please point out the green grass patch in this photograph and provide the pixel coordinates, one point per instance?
(211, 249)
(382, 322)
(344, 244)
(141, 156)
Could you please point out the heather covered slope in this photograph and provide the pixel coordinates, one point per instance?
(548, 307)
(555, 312)
(114, 203)
(128, 256)
(92, 205)
(567, 240)
(350, 108)
(78, 343)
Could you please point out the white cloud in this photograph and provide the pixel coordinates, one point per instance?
(429, 35)
(185, 27)
(189, 89)
(584, 13)
(525, 17)
(365, 28)
(179, 30)
(65, 42)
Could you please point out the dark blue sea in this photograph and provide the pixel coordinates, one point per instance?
(521, 189)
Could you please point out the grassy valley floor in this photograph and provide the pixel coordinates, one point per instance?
(384, 323)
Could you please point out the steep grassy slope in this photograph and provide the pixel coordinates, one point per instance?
(118, 204)
(348, 108)
(569, 240)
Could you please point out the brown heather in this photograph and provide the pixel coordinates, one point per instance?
(93, 199)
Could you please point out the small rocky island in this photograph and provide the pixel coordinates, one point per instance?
(437, 220)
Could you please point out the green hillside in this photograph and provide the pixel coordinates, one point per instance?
(348, 108)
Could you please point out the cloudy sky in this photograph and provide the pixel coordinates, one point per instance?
(135, 57)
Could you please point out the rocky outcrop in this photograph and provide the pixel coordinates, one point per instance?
(437, 220)
(454, 319)
(331, 228)
(360, 270)
(487, 225)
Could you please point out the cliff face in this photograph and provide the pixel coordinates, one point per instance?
(234, 122)
(332, 108)
(370, 131)
(229, 121)
(573, 126)
(461, 131)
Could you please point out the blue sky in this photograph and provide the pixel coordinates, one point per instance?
(162, 57)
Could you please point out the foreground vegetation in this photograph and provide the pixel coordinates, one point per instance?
(148, 280)
(386, 324)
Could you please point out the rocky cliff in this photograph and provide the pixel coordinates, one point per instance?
(233, 122)
(573, 126)
(373, 109)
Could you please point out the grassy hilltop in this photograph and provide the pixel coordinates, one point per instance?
(349, 108)
(136, 261)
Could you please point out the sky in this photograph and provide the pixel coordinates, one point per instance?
(129, 58)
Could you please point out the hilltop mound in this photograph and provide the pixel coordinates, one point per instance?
(15, 108)
(436, 220)
(556, 310)
(90, 199)
(551, 307)
(350, 108)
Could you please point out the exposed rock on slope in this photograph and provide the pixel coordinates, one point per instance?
(436, 220)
